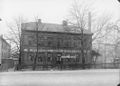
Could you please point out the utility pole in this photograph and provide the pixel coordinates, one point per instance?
(34, 65)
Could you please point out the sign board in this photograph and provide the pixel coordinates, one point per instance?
(52, 50)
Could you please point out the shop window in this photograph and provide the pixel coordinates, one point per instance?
(49, 59)
(49, 56)
(39, 59)
(31, 57)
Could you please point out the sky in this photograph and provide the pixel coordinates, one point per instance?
(50, 11)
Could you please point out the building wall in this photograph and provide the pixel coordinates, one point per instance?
(107, 52)
(54, 46)
(4, 49)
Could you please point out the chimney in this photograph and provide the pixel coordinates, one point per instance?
(39, 21)
(89, 21)
(64, 23)
(1, 36)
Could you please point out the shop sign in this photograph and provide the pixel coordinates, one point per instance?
(51, 50)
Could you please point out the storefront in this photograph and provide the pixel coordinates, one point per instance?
(51, 57)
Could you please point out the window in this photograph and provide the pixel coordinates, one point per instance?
(29, 42)
(78, 43)
(25, 40)
(49, 43)
(49, 56)
(49, 59)
(75, 44)
(58, 44)
(41, 43)
(66, 44)
(39, 59)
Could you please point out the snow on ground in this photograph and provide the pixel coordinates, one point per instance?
(106, 77)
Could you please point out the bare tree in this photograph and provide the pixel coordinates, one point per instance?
(116, 27)
(101, 27)
(80, 14)
(38, 27)
(14, 36)
(79, 17)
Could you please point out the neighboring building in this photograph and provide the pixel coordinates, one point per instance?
(109, 52)
(56, 43)
(4, 49)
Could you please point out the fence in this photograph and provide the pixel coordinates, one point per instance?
(75, 66)
(106, 66)
(6, 64)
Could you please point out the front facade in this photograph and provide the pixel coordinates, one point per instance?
(54, 47)
(4, 49)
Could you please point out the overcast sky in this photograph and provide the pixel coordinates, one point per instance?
(52, 11)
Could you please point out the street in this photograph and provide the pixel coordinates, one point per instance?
(108, 77)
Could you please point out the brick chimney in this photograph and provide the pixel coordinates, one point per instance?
(64, 23)
(39, 21)
(1, 36)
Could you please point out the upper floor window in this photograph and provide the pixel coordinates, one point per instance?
(29, 42)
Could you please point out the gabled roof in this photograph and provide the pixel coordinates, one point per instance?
(53, 27)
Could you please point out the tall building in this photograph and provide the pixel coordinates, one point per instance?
(56, 43)
(4, 49)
